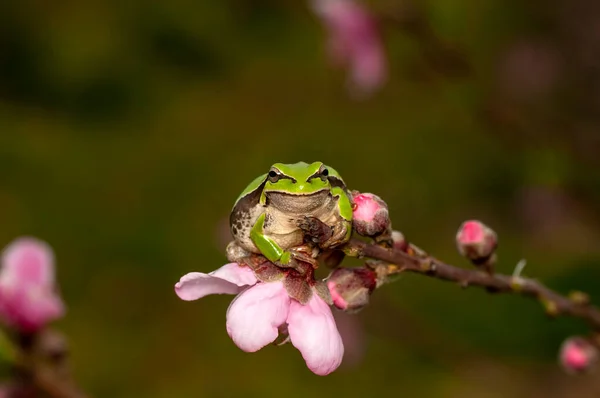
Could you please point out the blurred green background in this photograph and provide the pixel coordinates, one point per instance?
(127, 130)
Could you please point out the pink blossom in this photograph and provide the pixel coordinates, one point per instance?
(354, 42)
(577, 355)
(257, 313)
(351, 288)
(370, 216)
(366, 207)
(475, 240)
(471, 232)
(28, 297)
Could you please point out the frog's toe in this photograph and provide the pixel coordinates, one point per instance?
(315, 231)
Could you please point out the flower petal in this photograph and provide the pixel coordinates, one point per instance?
(28, 260)
(235, 273)
(254, 317)
(354, 41)
(368, 70)
(313, 331)
(226, 280)
(30, 308)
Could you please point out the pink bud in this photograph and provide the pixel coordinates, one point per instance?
(476, 241)
(577, 354)
(370, 216)
(28, 298)
(400, 242)
(350, 288)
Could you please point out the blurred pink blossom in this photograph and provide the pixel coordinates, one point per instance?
(28, 297)
(260, 309)
(354, 42)
(577, 355)
(475, 240)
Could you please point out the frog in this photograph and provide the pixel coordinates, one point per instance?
(273, 213)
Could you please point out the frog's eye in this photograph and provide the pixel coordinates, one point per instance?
(321, 174)
(273, 176)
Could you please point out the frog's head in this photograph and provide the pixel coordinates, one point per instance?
(309, 183)
(300, 178)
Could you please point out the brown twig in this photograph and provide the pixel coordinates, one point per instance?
(42, 368)
(577, 305)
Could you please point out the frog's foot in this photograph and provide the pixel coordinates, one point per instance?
(316, 232)
(235, 253)
(306, 255)
(323, 236)
(301, 259)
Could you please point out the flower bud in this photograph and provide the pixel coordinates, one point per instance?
(577, 355)
(370, 216)
(350, 288)
(400, 242)
(476, 241)
(28, 298)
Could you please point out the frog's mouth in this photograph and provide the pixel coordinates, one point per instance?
(298, 203)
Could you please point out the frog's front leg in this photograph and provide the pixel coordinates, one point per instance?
(344, 207)
(267, 246)
(321, 235)
(315, 231)
(342, 226)
(341, 234)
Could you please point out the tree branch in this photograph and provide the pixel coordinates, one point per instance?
(575, 305)
(43, 368)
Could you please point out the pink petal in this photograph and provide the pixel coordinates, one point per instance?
(235, 273)
(28, 260)
(29, 307)
(471, 231)
(369, 69)
(366, 207)
(254, 317)
(354, 41)
(226, 280)
(313, 331)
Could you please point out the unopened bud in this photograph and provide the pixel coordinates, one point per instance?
(577, 355)
(400, 242)
(28, 296)
(476, 241)
(370, 215)
(351, 288)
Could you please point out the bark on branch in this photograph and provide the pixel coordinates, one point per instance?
(576, 305)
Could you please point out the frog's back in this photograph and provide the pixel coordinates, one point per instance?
(245, 212)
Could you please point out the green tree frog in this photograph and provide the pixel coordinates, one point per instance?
(270, 216)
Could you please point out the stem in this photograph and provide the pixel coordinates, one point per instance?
(43, 367)
(554, 303)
